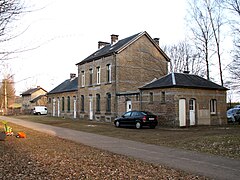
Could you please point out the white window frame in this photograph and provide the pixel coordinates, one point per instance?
(98, 75)
(213, 106)
(83, 78)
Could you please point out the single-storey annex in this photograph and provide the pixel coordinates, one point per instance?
(181, 99)
(62, 100)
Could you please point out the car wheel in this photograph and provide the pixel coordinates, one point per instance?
(138, 125)
(38, 113)
(117, 124)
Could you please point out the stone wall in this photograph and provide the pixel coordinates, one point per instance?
(55, 101)
(133, 67)
(168, 111)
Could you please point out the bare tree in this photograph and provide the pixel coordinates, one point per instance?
(199, 23)
(10, 10)
(215, 14)
(234, 7)
(7, 92)
(206, 20)
(184, 58)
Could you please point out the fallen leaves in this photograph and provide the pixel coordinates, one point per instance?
(41, 156)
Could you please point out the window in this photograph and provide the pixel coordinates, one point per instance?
(108, 73)
(68, 104)
(98, 102)
(108, 109)
(127, 114)
(136, 113)
(213, 106)
(98, 75)
(83, 78)
(82, 103)
(62, 103)
(151, 97)
(191, 104)
(49, 100)
(90, 77)
(163, 97)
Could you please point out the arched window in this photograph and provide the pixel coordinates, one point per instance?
(108, 109)
(68, 103)
(82, 103)
(151, 97)
(98, 102)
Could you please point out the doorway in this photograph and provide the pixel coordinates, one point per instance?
(74, 108)
(182, 112)
(129, 105)
(90, 107)
(53, 109)
(192, 109)
(58, 107)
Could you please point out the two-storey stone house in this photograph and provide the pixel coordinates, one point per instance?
(33, 97)
(109, 79)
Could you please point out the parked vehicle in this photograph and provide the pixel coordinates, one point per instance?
(233, 115)
(137, 119)
(237, 106)
(40, 110)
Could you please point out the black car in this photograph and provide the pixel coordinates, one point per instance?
(137, 119)
(233, 115)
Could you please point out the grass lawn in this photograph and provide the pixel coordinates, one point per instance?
(218, 140)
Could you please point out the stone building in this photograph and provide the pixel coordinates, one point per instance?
(62, 100)
(110, 77)
(132, 74)
(181, 99)
(33, 97)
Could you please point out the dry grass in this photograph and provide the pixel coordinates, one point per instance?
(219, 140)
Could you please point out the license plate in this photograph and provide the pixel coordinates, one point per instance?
(151, 119)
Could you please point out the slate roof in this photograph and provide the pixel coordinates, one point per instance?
(30, 91)
(183, 80)
(117, 47)
(66, 86)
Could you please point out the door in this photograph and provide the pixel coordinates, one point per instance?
(58, 107)
(74, 108)
(53, 109)
(129, 105)
(182, 112)
(192, 109)
(90, 107)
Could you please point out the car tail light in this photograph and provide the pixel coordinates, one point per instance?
(144, 118)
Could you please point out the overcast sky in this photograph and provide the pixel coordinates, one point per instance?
(68, 31)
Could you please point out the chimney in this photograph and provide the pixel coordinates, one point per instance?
(102, 44)
(72, 76)
(114, 38)
(156, 40)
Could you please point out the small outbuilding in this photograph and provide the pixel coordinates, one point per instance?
(182, 99)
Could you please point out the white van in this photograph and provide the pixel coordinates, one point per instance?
(40, 110)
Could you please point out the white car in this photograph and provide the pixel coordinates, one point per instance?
(40, 110)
